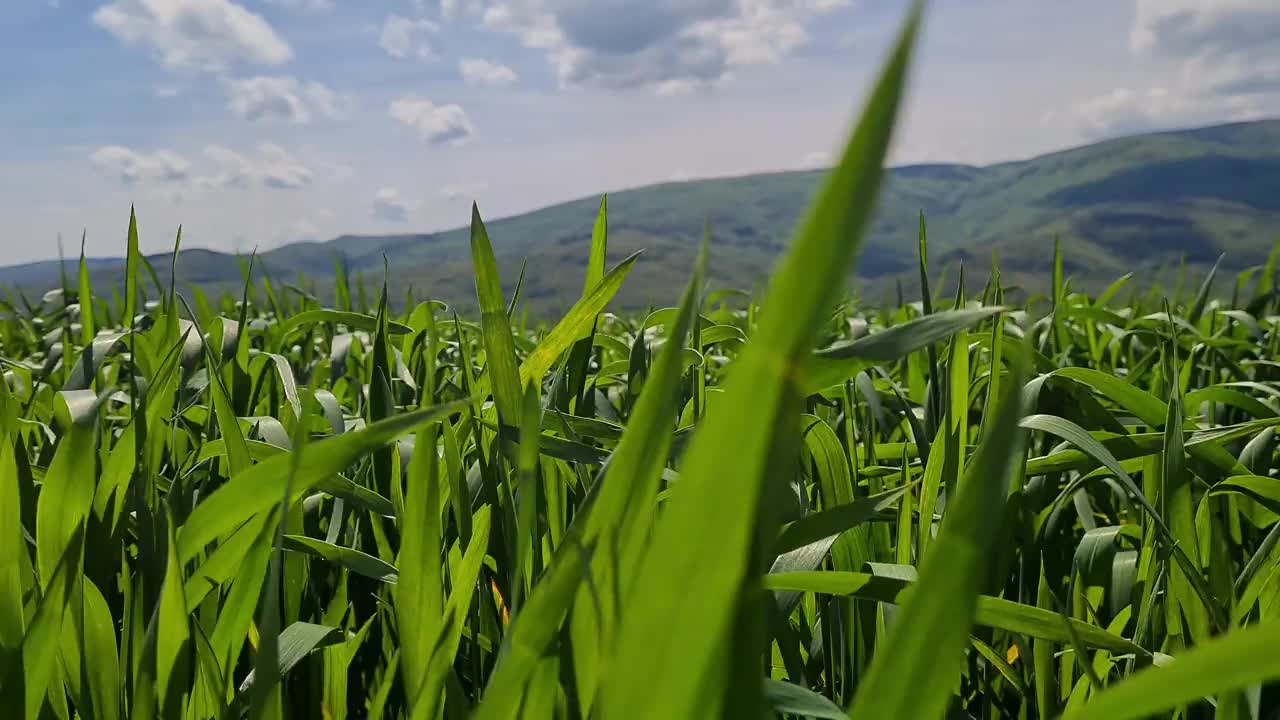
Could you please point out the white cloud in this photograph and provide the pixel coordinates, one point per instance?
(437, 124)
(300, 230)
(1182, 27)
(1228, 54)
(326, 101)
(336, 171)
(454, 9)
(307, 5)
(1228, 47)
(199, 34)
(478, 71)
(282, 98)
(133, 166)
(270, 166)
(1125, 111)
(169, 194)
(672, 46)
(816, 159)
(463, 191)
(402, 37)
(390, 206)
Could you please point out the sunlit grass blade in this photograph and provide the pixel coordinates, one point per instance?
(66, 497)
(580, 354)
(670, 640)
(620, 516)
(172, 637)
(500, 352)
(420, 592)
(833, 364)
(579, 318)
(353, 560)
(1228, 662)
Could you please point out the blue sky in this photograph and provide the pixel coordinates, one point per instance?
(261, 122)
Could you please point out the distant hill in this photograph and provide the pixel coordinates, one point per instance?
(1138, 203)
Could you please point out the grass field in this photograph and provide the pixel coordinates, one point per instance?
(784, 505)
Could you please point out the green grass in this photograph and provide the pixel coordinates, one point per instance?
(773, 504)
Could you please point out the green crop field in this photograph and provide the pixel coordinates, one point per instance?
(778, 505)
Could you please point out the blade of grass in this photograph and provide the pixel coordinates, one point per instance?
(671, 641)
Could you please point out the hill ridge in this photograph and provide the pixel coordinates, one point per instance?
(1141, 201)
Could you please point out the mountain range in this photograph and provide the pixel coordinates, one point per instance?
(1142, 203)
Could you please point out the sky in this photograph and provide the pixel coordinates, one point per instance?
(255, 123)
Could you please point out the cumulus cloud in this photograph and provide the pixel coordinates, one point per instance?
(672, 46)
(133, 166)
(197, 34)
(477, 71)
(436, 124)
(1125, 111)
(283, 98)
(1228, 53)
(402, 37)
(1183, 27)
(390, 206)
(1229, 47)
(269, 166)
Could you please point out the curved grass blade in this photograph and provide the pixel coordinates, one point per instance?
(353, 560)
(991, 612)
(295, 643)
(353, 321)
(833, 364)
(788, 698)
(836, 520)
(1221, 664)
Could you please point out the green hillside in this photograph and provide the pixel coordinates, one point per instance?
(1139, 203)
